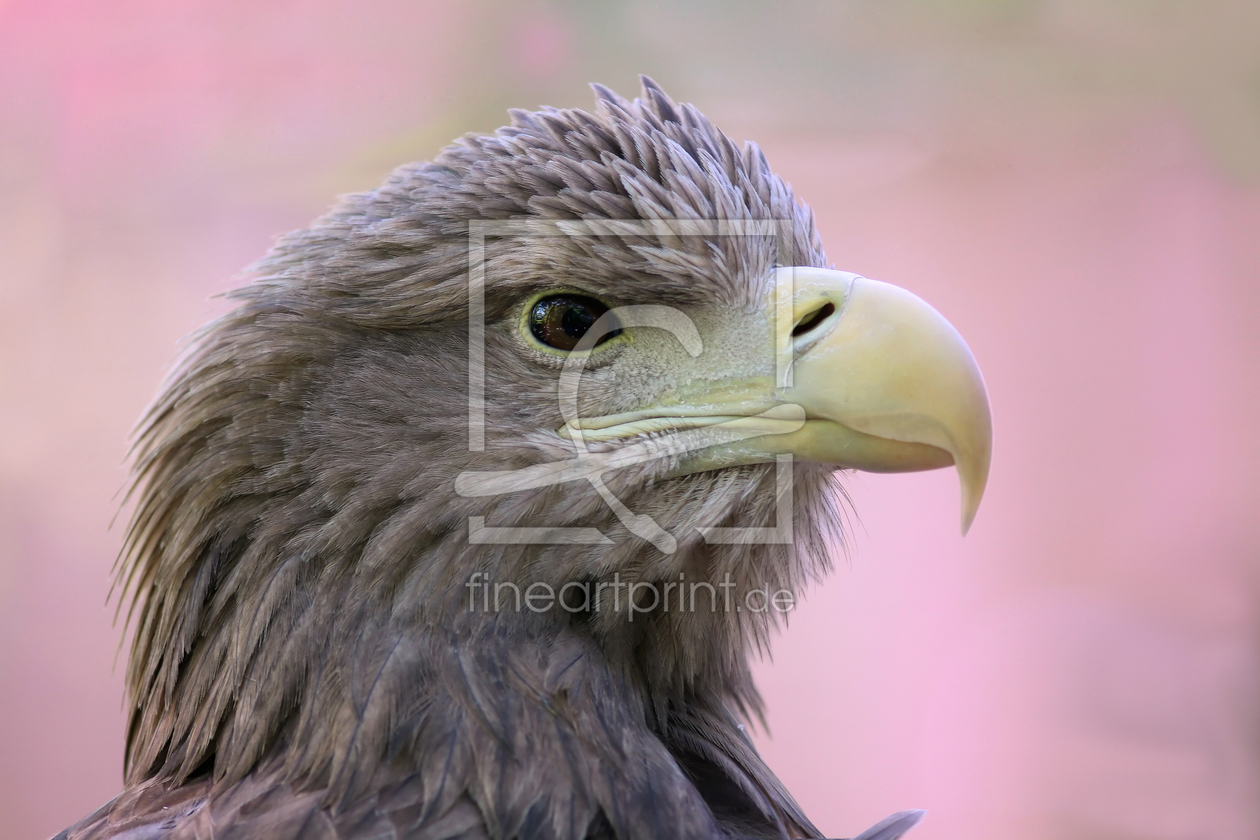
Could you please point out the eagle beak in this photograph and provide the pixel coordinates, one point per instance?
(887, 384)
(866, 376)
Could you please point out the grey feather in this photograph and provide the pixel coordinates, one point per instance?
(304, 664)
(893, 827)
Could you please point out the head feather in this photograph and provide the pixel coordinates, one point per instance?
(297, 551)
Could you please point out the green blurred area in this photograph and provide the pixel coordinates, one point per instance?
(970, 70)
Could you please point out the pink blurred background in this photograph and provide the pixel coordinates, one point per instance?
(1076, 185)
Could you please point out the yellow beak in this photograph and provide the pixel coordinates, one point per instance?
(891, 368)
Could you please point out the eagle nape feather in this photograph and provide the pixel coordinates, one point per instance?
(465, 522)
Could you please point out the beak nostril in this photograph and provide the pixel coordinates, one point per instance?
(813, 319)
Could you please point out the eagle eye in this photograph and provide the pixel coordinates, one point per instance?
(560, 321)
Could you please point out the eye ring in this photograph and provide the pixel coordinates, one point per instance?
(560, 321)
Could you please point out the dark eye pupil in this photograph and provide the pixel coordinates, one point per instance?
(576, 320)
(560, 321)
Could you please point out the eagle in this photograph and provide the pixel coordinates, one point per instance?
(467, 519)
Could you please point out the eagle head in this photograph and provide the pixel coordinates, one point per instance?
(475, 506)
